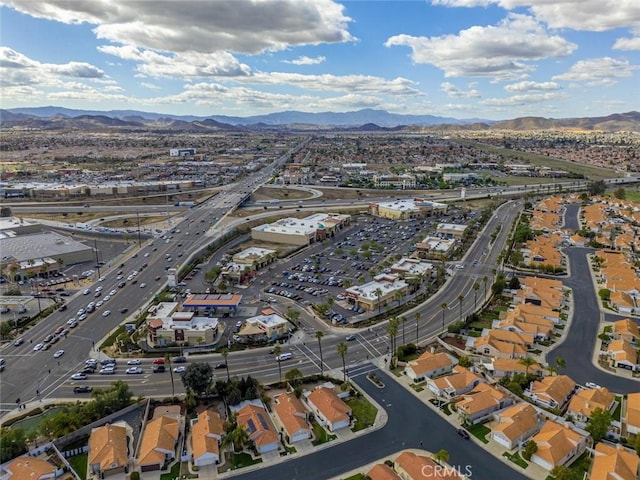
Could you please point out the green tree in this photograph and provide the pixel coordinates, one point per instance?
(417, 317)
(460, 300)
(197, 377)
(13, 442)
(342, 348)
(564, 473)
(527, 362)
(560, 363)
(441, 456)
(293, 315)
(465, 361)
(277, 350)
(294, 377)
(443, 307)
(392, 330)
(636, 444)
(476, 287)
(225, 354)
(596, 188)
(599, 423)
(403, 320)
(167, 359)
(529, 449)
(319, 335)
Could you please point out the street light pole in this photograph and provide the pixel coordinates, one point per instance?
(95, 249)
(138, 218)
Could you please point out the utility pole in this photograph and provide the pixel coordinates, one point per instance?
(139, 239)
(95, 249)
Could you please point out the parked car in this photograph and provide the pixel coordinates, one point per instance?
(463, 433)
(58, 354)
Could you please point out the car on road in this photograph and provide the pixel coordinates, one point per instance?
(158, 361)
(88, 369)
(58, 354)
(180, 369)
(220, 366)
(463, 433)
(83, 389)
(284, 356)
(38, 347)
(158, 368)
(591, 385)
(106, 313)
(107, 371)
(124, 310)
(134, 370)
(142, 285)
(134, 361)
(157, 278)
(79, 376)
(86, 292)
(350, 338)
(18, 342)
(82, 317)
(180, 359)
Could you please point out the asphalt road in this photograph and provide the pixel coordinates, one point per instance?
(409, 423)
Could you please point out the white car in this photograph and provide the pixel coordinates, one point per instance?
(38, 347)
(101, 279)
(119, 277)
(180, 369)
(129, 278)
(58, 354)
(142, 285)
(82, 317)
(78, 376)
(134, 370)
(107, 298)
(106, 313)
(146, 254)
(70, 321)
(86, 292)
(98, 289)
(107, 371)
(113, 292)
(134, 361)
(100, 303)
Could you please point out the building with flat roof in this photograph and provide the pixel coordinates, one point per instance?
(403, 181)
(451, 230)
(180, 327)
(411, 267)
(402, 209)
(269, 326)
(212, 300)
(435, 247)
(246, 263)
(381, 291)
(300, 231)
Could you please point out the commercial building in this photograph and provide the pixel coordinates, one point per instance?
(246, 263)
(383, 290)
(411, 268)
(168, 326)
(451, 230)
(403, 181)
(406, 208)
(301, 231)
(269, 326)
(435, 247)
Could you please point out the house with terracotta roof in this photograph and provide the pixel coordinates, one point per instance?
(551, 392)
(206, 434)
(293, 417)
(539, 331)
(499, 344)
(411, 466)
(254, 418)
(108, 450)
(480, 403)
(382, 471)
(159, 442)
(622, 302)
(632, 415)
(462, 380)
(31, 468)
(623, 354)
(502, 367)
(613, 463)
(429, 365)
(514, 426)
(627, 330)
(329, 410)
(557, 445)
(586, 400)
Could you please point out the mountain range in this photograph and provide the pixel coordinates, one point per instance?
(59, 118)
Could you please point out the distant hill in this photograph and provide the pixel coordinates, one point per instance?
(367, 120)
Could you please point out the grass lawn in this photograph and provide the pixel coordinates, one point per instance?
(32, 422)
(364, 413)
(516, 458)
(173, 473)
(357, 476)
(479, 325)
(417, 388)
(479, 431)
(320, 435)
(79, 464)
(446, 409)
(240, 460)
(618, 410)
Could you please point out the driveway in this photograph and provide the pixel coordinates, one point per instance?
(409, 423)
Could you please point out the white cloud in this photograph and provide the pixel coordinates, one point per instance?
(525, 99)
(249, 27)
(150, 86)
(528, 86)
(494, 51)
(590, 15)
(627, 44)
(304, 60)
(603, 71)
(452, 91)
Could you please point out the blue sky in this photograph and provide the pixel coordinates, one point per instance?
(492, 59)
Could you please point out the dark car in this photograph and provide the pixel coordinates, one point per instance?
(82, 389)
(158, 368)
(124, 310)
(88, 369)
(62, 308)
(463, 433)
(180, 360)
(220, 366)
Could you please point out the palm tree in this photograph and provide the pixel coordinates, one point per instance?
(441, 456)
(476, 287)
(319, 336)
(342, 351)
(237, 437)
(460, 300)
(392, 330)
(277, 350)
(560, 363)
(417, 317)
(225, 354)
(378, 293)
(527, 362)
(167, 358)
(485, 280)
(444, 307)
(404, 321)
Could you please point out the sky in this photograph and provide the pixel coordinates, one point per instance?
(488, 59)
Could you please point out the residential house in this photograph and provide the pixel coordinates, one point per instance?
(557, 445)
(500, 344)
(481, 402)
(411, 466)
(613, 463)
(632, 416)
(586, 400)
(627, 330)
(329, 409)
(623, 354)
(622, 302)
(502, 367)
(539, 331)
(515, 425)
(31, 468)
(206, 434)
(108, 453)
(255, 419)
(293, 417)
(429, 365)
(159, 442)
(382, 471)
(551, 392)
(460, 381)
(531, 310)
